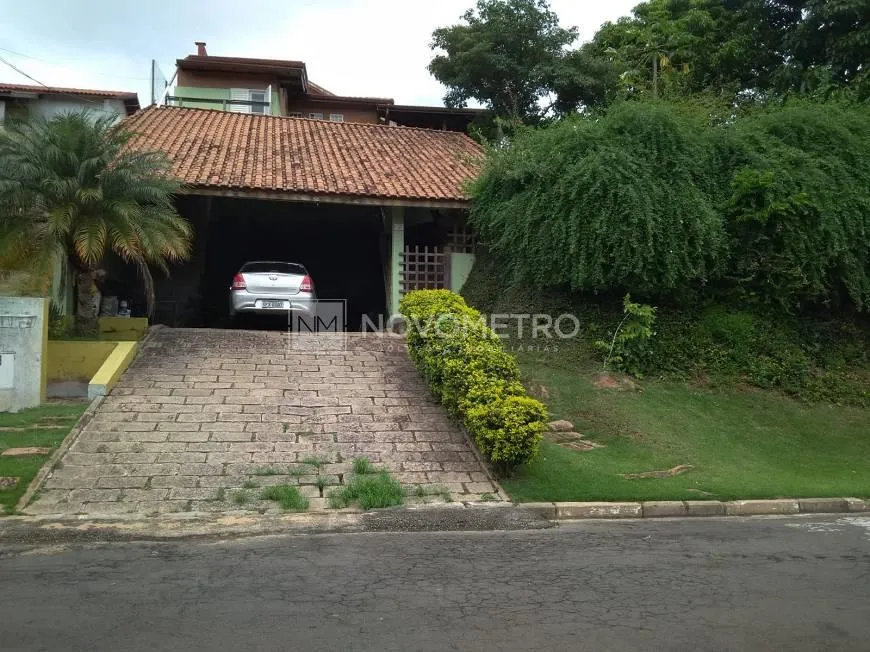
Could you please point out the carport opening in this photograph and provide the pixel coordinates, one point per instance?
(343, 248)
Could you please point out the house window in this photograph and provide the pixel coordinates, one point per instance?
(244, 98)
(295, 114)
(315, 116)
(336, 117)
(259, 96)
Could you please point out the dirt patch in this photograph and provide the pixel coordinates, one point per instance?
(37, 426)
(619, 383)
(22, 452)
(572, 440)
(539, 390)
(7, 482)
(581, 445)
(677, 470)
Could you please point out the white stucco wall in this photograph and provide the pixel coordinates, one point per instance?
(23, 338)
(49, 106)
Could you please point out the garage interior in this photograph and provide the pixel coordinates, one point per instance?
(344, 247)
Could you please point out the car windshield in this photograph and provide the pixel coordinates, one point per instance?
(280, 268)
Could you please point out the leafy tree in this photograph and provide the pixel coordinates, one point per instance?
(72, 189)
(769, 206)
(584, 80)
(669, 48)
(625, 201)
(679, 47)
(798, 210)
(506, 55)
(830, 47)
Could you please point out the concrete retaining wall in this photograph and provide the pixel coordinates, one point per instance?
(23, 340)
(76, 360)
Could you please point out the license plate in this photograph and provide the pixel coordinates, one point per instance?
(273, 304)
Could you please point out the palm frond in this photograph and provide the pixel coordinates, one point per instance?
(71, 185)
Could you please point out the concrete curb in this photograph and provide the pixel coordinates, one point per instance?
(68, 441)
(111, 370)
(684, 508)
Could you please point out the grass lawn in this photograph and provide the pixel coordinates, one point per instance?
(45, 426)
(741, 443)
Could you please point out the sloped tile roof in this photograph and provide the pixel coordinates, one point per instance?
(131, 100)
(217, 149)
(58, 90)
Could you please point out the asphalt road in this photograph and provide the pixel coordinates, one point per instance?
(711, 584)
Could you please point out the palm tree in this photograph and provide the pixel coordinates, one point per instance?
(72, 189)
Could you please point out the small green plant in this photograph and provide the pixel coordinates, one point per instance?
(287, 496)
(285, 427)
(221, 495)
(488, 498)
(371, 491)
(422, 491)
(241, 497)
(60, 326)
(267, 470)
(250, 484)
(315, 461)
(363, 466)
(298, 471)
(321, 481)
(629, 350)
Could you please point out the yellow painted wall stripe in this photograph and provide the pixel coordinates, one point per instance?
(115, 365)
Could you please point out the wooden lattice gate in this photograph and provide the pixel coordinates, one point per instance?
(423, 268)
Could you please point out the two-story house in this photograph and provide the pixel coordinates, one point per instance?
(277, 87)
(368, 195)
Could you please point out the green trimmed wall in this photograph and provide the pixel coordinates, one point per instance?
(460, 268)
(216, 94)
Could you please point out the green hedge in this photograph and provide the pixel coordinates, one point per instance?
(467, 367)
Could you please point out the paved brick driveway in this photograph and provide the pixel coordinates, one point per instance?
(200, 412)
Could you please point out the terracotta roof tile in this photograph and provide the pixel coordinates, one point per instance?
(58, 90)
(212, 148)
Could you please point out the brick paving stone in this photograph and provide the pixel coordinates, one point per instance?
(202, 410)
(173, 481)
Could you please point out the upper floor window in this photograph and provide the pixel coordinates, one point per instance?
(336, 117)
(315, 116)
(295, 114)
(250, 100)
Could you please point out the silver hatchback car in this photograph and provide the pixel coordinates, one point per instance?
(271, 287)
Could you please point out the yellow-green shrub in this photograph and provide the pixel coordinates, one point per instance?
(467, 367)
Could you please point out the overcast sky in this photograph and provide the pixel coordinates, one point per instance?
(351, 47)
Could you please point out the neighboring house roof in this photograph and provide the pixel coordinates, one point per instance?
(293, 72)
(209, 62)
(414, 108)
(349, 99)
(317, 89)
(130, 99)
(218, 150)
